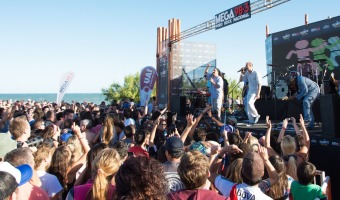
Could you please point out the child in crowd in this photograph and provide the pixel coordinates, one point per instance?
(303, 188)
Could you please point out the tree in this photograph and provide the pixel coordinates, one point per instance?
(129, 90)
(233, 84)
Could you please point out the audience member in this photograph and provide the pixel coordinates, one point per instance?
(174, 149)
(140, 178)
(193, 170)
(303, 188)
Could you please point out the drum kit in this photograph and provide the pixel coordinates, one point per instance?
(199, 98)
(280, 83)
(280, 87)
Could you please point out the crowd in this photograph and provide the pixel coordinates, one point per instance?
(121, 151)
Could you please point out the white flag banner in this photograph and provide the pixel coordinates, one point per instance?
(64, 83)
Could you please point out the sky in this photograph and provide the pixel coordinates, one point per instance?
(104, 41)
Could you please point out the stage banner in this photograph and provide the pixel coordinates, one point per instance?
(148, 77)
(312, 50)
(233, 15)
(64, 83)
(163, 75)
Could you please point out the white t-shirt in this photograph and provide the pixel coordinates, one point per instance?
(253, 80)
(50, 183)
(244, 191)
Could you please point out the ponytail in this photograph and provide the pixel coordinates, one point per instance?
(100, 186)
(104, 167)
(291, 167)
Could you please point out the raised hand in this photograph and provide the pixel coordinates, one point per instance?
(207, 108)
(231, 149)
(293, 120)
(302, 121)
(263, 152)
(190, 120)
(76, 129)
(285, 123)
(268, 122)
(214, 150)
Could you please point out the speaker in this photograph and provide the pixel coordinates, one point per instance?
(327, 87)
(182, 101)
(265, 92)
(329, 109)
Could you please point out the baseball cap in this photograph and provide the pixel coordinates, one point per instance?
(64, 137)
(233, 120)
(253, 167)
(174, 145)
(22, 173)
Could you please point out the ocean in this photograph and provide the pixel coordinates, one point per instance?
(69, 97)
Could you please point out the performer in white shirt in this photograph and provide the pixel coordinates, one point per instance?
(254, 88)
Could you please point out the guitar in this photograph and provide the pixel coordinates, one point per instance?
(335, 83)
(245, 90)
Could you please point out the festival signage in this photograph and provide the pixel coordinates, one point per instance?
(148, 77)
(64, 83)
(233, 15)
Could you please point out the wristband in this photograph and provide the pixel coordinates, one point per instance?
(80, 138)
(283, 128)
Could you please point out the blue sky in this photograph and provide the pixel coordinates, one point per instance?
(103, 41)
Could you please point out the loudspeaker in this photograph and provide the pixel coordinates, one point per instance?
(329, 108)
(265, 92)
(182, 101)
(327, 87)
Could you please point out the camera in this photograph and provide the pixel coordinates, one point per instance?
(34, 142)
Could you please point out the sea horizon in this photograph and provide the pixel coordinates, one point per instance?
(52, 97)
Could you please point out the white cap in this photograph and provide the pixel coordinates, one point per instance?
(6, 167)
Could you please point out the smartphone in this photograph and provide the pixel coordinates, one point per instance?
(131, 154)
(155, 115)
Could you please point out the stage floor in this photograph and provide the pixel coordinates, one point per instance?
(260, 128)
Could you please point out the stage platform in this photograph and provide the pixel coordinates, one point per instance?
(260, 128)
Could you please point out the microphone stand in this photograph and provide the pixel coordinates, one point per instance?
(232, 94)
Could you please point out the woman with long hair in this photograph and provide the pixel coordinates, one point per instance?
(104, 167)
(288, 148)
(107, 131)
(281, 189)
(63, 164)
(52, 131)
(233, 172)
(87, 173)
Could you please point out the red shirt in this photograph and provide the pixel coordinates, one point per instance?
(138, 151)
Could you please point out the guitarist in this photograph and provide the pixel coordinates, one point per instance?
(334, 84)
(307, 92)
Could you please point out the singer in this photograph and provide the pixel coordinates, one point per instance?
(254, 90)
(216, 89)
